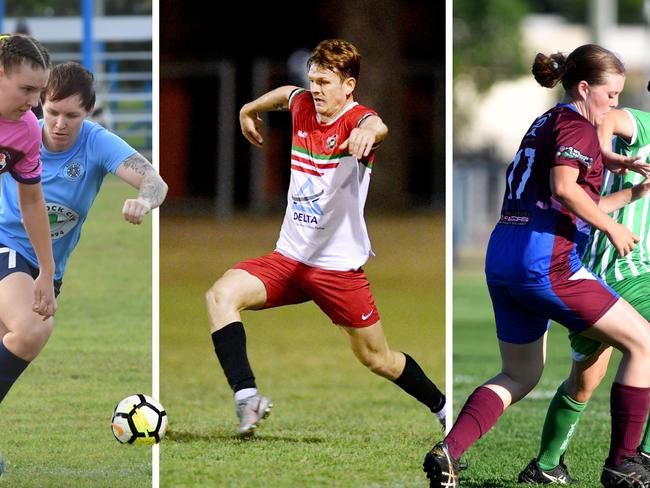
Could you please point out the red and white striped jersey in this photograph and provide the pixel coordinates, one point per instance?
(324, 224)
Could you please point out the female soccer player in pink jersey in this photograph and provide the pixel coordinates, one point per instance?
(535, 273)
(24, 70)
(323, 241)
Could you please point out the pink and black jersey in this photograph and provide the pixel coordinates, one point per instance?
(20, 142)
(324, 224)
(537, 240)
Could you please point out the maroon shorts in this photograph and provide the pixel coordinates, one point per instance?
(343, 295)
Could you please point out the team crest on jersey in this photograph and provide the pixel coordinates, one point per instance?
(331, 142)
(306, 209)
(73, 170)
(570, 152)
(62, 219)
(4, 159)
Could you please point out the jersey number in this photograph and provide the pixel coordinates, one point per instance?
(515, 191)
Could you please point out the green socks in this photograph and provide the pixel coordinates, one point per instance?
(561, 421)
(645, 441)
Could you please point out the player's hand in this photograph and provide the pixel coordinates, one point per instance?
(622, 238)
(135, 209)
(641, 190)
(251, 127)
(44, 302)
(623, 164)
(360, 142)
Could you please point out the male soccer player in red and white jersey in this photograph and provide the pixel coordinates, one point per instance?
(323, 242)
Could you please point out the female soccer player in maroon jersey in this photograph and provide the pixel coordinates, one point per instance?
(534, 271)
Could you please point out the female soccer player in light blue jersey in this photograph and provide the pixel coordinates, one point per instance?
(76, 155)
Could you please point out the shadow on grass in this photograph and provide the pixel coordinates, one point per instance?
(187, 437)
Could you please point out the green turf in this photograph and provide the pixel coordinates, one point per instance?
(333, 423)
(55, 423)
(496, 459)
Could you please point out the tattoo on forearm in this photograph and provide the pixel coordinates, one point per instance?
(138, 163)
(152, 188)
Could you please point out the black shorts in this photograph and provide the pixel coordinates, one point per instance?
(14, 262)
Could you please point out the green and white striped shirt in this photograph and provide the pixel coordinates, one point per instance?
(600, 255)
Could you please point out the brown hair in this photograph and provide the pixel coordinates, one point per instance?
(338, 56)
(589, 63)
(69, 79)
(18, 49)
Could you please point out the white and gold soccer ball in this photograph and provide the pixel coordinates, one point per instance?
(139, 419)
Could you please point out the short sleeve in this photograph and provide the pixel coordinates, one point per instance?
(576, 144)
(294, 97)
(641, 138)
(110, 150)
(28, 169)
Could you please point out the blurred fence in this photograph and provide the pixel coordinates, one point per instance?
(123, 67)
(478, 193)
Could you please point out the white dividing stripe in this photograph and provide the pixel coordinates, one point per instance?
(582, 274)
(644, 249)
(12, 257)
(635, 132)
(314, 160)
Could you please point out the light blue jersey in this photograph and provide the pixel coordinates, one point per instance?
(71, 181)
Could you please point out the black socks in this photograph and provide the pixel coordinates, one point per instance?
(230, 347)
(414, 382)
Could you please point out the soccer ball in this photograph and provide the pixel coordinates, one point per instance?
(140, 419)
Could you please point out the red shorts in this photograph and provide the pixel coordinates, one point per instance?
(344, 296)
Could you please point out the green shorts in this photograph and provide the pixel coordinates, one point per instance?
(635, 292)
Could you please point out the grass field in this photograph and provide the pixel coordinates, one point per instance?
(496, 459)
(334, 424)
(55, 423)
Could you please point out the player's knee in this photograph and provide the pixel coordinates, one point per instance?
(644, 348)
(219, 297)
(32, 337)
(525, 381)
(640, 348)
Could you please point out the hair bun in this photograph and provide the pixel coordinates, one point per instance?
(548, 70)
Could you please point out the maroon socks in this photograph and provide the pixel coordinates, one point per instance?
(629, 409)
(481, 411)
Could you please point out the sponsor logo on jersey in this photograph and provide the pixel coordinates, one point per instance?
(331, 142)
(4, 159)
(302, 133)
(515, 218)
(305, 205)
(62, 219)
(73, 170)
(570, 152)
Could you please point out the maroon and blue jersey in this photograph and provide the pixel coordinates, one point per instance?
(537, 240)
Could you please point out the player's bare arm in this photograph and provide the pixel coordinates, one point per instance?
(614, 201)
(566, 190)
(249, 119)
(32, 207)
(137, 171)
(369, 134)
(619, 123)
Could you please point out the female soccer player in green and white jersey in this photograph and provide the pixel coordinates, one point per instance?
(629, 276)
